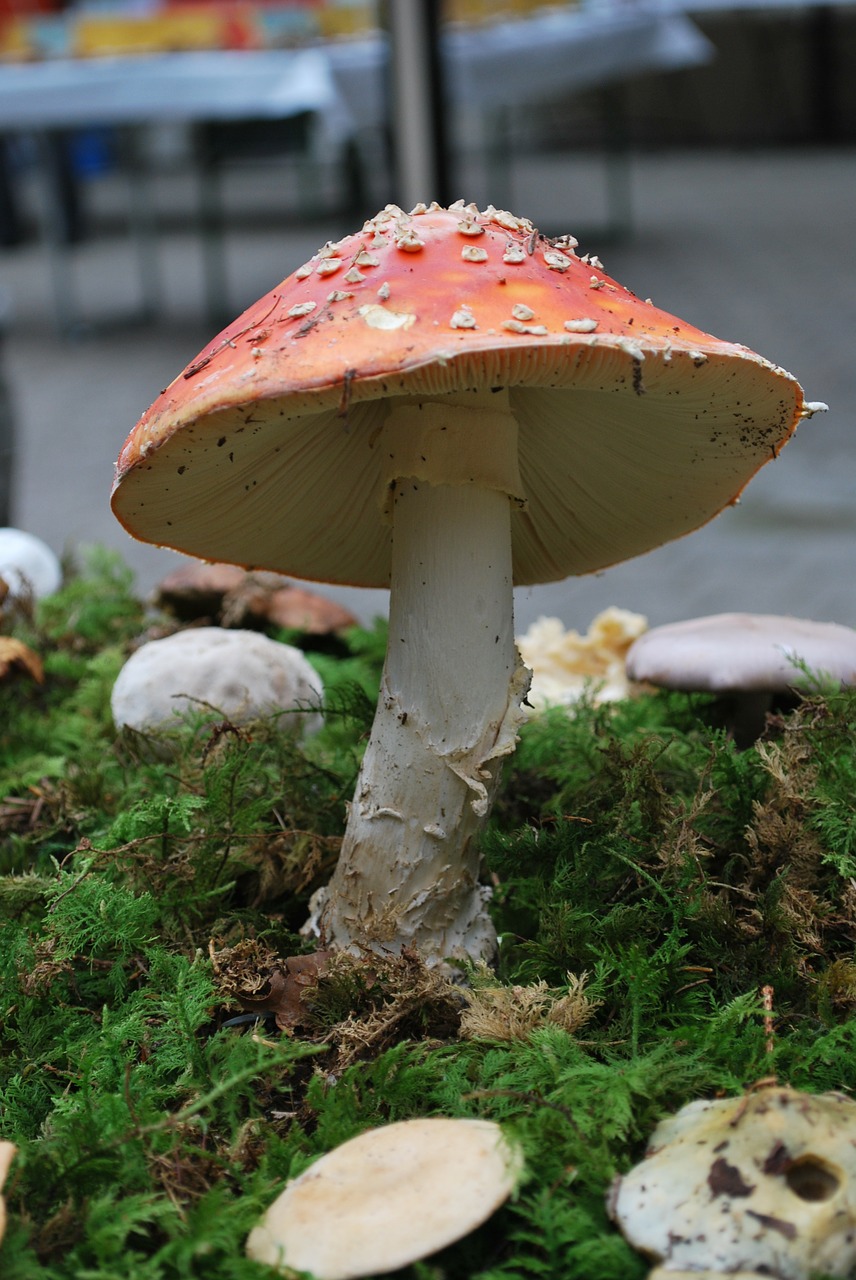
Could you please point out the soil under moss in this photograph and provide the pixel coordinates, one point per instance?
(167, 1060)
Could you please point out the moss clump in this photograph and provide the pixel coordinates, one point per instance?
(170, 1053)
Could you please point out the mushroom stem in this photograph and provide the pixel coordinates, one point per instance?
(448, 712)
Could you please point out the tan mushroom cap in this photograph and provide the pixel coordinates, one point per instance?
(387, 1198)
(7, 1154)
(633, 427)
(742, 652)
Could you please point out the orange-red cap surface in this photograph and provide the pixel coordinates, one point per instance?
(634, 427)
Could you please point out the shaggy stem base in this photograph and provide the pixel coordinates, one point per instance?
(448, 712)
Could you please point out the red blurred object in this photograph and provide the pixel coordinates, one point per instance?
(27, 8)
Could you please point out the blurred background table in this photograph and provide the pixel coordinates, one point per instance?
(330, 99)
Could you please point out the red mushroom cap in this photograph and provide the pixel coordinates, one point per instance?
(634, 427)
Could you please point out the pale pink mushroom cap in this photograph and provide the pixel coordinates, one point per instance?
(743, 652)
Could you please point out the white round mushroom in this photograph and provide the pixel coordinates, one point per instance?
(763, 1184)
(387, 1198)
(241, 674)
(27, 565)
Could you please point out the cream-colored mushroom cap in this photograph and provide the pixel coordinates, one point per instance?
(7, 1153)
(387, 1198)
(764, 1184)
(733, 652)
(241, 674)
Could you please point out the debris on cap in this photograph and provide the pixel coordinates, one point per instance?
(236, 597)
(763, 1184)
(240, 674)
(27, 565)
(7, 1154)
(387, 1198)
(564, 663)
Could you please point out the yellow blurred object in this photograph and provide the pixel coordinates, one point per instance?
(16, 42)
(172, 30)
(564, 663)
(345, 19)
(475, 12)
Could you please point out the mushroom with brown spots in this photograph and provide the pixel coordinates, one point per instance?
(377, 443)
(747, 659)
(387, 1198)
(759, 1185)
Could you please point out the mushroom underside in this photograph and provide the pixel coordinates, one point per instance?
(606, 472)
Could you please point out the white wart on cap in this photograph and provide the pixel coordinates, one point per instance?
(240, 674)
(388, 1198)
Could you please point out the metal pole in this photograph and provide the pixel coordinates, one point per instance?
(417, 124)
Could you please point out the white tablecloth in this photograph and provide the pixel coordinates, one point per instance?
(510, 63)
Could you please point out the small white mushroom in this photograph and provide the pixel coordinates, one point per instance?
(387, 1198)
(759, 1185)
(27, 565)
(7, 1154)
(241, 674)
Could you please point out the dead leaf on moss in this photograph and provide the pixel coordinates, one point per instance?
(252, 975)
(286, 987)
(16, 658)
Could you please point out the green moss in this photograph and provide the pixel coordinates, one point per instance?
(141, 897)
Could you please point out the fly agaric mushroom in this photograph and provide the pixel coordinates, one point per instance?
(747, 659)
(763, 1185)
(387, 1198)
(446, 403)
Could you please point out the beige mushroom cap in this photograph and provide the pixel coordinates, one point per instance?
(7, 1154)
(734, 652)
(764, 1184)
(242, 674)
(387, 1198)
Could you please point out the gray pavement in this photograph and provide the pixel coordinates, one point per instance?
(755, 247)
